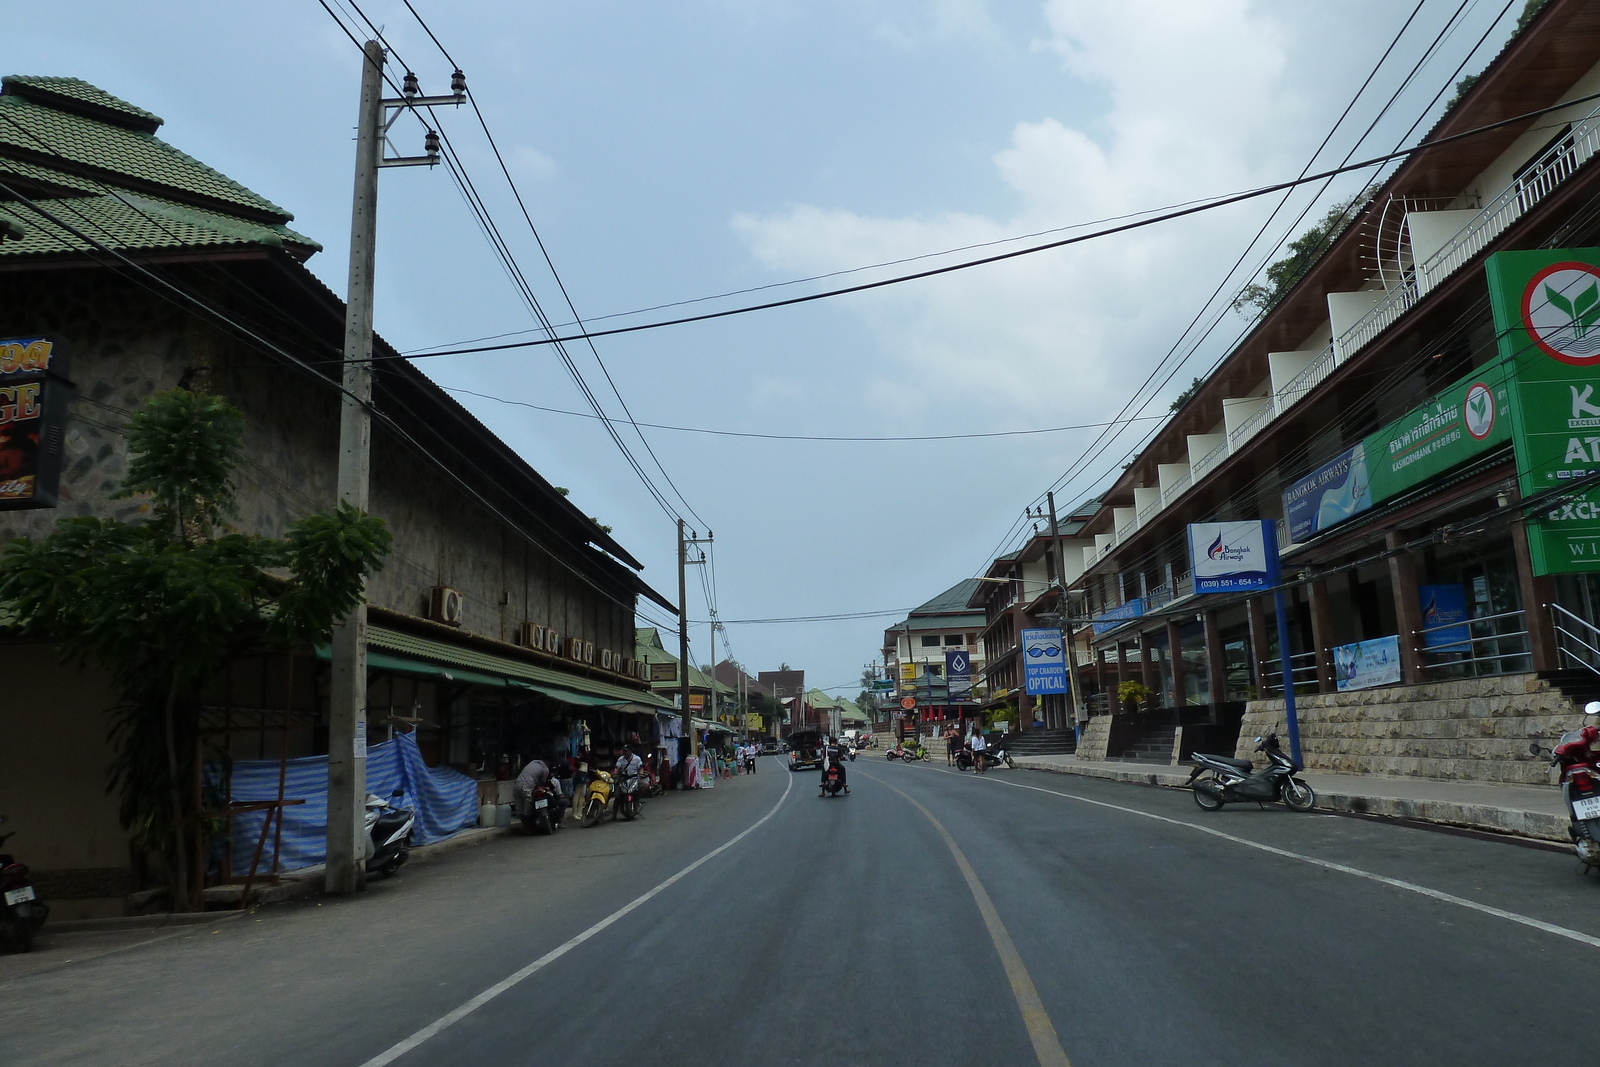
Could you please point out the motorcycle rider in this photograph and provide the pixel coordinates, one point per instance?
(629, 763)
(832, 756)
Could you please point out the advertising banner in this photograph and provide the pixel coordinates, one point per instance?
(1112, 618)
(663, 672)
(34, 396)
(1327, 496)
(958, 675)
(1547, 319)
(1367, 663)
(1443, 605)
(1232, 557)
(1463, 421)
(1044, 662)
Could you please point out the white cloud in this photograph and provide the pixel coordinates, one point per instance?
(1196, 105)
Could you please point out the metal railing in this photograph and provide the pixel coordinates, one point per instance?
(1175, 490)
(1209, 460)
(1487, 645)
(1577, 639)
(1157, 598)
(1252, 426)
(1148, 512)
(1302, 668)
(1295, 389)
(1125, 532)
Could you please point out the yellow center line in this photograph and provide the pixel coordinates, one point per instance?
(1046, 1045)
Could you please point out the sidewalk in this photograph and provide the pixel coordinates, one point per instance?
(1526, 811)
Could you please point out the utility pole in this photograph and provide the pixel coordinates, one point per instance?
(347, 698)
(1067, 627)
(683, 642)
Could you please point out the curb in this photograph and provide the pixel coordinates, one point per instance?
(1514, 822)
(147, 922)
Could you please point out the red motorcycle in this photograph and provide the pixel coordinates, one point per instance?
(23, 912)
(1575, 753)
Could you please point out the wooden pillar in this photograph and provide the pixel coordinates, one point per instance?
(1145, 666)
(1122, 664)
(1260, 670)
(1175, 657)
(1322, 635)
(1216, 662)
(1407, 606)
(1538, 593)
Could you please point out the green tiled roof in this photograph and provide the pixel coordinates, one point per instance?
(126, 221)
(30, 125)
(953, 599)
(81, 92)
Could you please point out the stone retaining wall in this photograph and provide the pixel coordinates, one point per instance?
(1096, 738)
(1476, 729)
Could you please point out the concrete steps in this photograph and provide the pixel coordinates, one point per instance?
(1042, 743)
(1153, 746)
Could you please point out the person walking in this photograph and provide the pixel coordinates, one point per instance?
(952, 744)
(979, 747)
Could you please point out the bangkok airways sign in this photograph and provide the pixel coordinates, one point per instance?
(1233, 557)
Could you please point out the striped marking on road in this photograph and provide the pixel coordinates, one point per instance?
(516, 977)
(1329, 865)
(1041, 1031)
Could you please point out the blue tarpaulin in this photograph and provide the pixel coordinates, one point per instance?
(445, 801)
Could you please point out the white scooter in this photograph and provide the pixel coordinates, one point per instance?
(389, 831)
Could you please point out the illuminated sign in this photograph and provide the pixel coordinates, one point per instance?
(34, 396)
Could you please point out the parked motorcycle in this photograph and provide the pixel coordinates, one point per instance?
(23, 912)
(1580, 785)
(1219, 780)
(993, 756)
(540, 810)
(629, 794)
(389, 829)
(832, 781)
(597, 799)
(894, 753)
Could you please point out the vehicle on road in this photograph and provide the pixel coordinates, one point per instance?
(389, 828)
(22, 913)
(597, 799)
(1219, 780)
(994, 756)
(769, 748)
(863, 741)
(629, 794)
(832, 782)
(1575, 755)
(540, 810)
(805, 750)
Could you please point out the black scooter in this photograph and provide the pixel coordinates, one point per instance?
(993, 756)
(833, 781)
(1219, 780)
(22, 913)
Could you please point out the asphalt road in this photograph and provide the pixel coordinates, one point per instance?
(930, 917)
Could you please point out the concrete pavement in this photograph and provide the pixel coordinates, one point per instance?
(1526, 811)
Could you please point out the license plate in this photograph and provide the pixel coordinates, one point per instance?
(541, 803)
(1586, 808)
(17, 896)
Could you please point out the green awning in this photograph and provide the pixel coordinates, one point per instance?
(403, 653)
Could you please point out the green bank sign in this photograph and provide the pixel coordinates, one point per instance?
(1547, 321)
(1467, 418)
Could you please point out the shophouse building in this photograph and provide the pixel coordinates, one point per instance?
(1372, 416)
(915, 653)
(500, 627)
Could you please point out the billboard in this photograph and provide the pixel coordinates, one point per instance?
(958, 675)
(1111, 618)
(1367, 663)
(1044, 662)
(1327, 496)
(1463, 421)
(34, 395)
(663, 672)
(1233, 557)
(1442, 607)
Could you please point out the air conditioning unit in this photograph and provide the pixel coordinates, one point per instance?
(642, 669)
(445, 605)
(531, 636)
(627, 666)
(606, 659)
(574, 648)
(552, 641)
(588, 652)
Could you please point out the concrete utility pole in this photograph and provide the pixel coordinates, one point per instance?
(683, 640)
(347, 697)
(1075, 696)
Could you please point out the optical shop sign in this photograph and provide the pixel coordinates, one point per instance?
(1547, 319)
(34, 395)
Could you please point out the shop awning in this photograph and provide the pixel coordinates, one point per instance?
(404, 653)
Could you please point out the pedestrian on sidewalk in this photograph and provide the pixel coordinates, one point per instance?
(979, 747)
(952, 744)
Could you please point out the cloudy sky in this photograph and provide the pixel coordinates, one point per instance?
(673, 152)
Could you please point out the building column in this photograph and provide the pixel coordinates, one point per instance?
(1216, 662)
(1175, 657)
(1145, 665)
(1538, 593)
(1259, 671)
(1322, 635)
(1407, 608)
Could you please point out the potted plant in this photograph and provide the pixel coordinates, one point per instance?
(1136, 693)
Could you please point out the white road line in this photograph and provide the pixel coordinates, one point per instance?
(1355, 872)
(403, 1047)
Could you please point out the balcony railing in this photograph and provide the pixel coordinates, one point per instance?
(1148, 512)
(1209, 461)
(1127, 531)
(1175, 490)
(1295, 389)
(1251, 426)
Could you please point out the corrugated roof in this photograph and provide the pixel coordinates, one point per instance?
(953, 599)
(32, 128)
(128, 222)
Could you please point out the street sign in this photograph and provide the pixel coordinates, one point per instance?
(958, 674)
(1044, 662)
(908, 702)
(1232, 557)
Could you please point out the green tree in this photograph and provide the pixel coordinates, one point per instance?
(1303, 251)
(163, 604)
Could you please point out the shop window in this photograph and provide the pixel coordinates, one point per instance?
(952, 639)
(930, 640)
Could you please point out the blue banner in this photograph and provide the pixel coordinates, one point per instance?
(958, 674)
(1111, 618)
(1044, 662)
(1441, 606)
(1329, 495)
(1367, 663)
